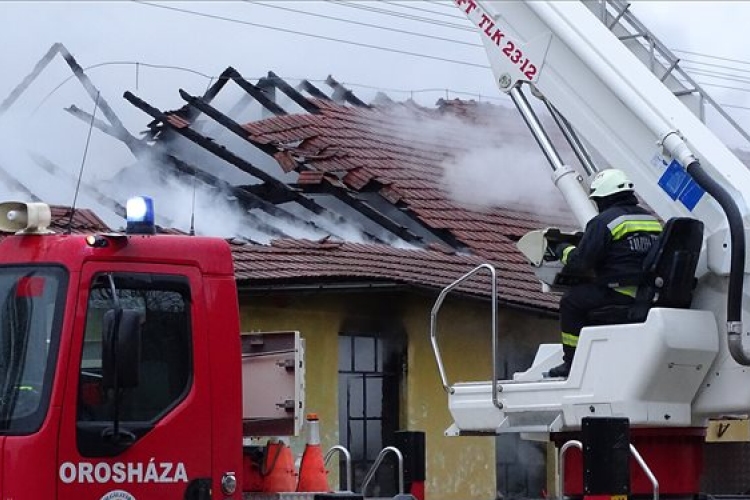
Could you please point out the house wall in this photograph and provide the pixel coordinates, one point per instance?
(460, 468)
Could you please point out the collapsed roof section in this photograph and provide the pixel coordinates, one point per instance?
(377, 167)
(313, 165)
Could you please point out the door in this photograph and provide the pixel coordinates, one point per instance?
(369, 381)
(151, 439)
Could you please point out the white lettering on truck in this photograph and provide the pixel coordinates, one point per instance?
(123, 472)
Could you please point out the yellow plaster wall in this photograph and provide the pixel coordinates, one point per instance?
(318, 319)
(458, 468)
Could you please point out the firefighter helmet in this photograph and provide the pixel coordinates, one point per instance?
(609, 182)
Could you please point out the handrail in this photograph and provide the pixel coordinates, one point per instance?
(646, 470)
(347, 461)
(561, 465)
(433, 329)
(378, 461)
(633, 451)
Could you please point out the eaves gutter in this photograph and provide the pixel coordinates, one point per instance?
(249, 288)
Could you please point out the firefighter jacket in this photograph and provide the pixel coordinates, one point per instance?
(614, 244)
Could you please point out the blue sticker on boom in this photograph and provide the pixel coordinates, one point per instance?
(679, 185)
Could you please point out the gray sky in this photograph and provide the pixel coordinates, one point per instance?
(119, 33)
(110, 37)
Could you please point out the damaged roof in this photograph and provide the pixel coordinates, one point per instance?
(321, 264)
(338, 163)
(385, 164)
(383, 151)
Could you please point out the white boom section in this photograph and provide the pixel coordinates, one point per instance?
(637, 124)
(674, 350)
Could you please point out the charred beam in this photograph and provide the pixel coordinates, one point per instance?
(224, 120)
(290, 92)
(313, 90)
(99, 124)
(93, 92)
(365, 209)
(223, 153)
(248, 199)
(13, 183)
(342, 93)
(21, 87)
(254, 91)
(96, 96)
(59, 172)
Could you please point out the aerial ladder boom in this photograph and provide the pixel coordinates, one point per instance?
(691, 361)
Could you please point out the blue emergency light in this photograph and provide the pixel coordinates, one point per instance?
(139, 212)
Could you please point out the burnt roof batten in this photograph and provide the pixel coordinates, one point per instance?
(14, 183)
(313, 90)
(223, 119)
(254, 91)
(58, 172)
(226, 155)
(345, 93)
(269, 149)
(21, 87)
(368, 211)
(292, 93)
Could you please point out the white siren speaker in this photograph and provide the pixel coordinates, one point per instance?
(27, 218)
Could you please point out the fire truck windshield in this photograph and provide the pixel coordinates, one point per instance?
(31, 309)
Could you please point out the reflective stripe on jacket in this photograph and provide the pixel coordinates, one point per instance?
(614, 244)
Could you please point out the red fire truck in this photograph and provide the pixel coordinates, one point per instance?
(120, 363)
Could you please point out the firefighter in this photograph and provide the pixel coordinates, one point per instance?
(613, 247)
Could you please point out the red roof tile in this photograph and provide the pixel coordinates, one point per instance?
(303, 261)
(404, 147)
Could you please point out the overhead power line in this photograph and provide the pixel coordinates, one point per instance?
(310, 35)
(402, 5)
(360, 23)
(422, 19)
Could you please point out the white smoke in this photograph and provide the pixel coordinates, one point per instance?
(491, 162)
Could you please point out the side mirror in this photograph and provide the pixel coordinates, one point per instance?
(121, 348)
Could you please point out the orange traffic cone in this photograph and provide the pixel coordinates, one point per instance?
(313, 475)
(277, 467)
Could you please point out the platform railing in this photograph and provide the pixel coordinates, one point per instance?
(433, 329)
(559, 482)
(378, 461)
(342, 451)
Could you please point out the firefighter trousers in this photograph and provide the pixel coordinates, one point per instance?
(575, 306)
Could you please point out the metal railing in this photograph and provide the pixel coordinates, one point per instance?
(577, 444)
(347, 464)
(378, 461)
(433, 329)
(661, 61)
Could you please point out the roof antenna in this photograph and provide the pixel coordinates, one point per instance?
(83, 162)
(192, 209)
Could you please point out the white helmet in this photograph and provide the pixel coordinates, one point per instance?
(609, 182)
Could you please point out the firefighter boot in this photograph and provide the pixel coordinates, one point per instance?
(564, 369)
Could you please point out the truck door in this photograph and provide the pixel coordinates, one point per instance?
(151, 438)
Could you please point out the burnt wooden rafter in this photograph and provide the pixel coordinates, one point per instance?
(313, 90)
(340, 192)
(222, 119)
(58, 172)
(342, 93)
(291, 93)
(226, 155)
(13, 183)
(254, 91)
(247, 200)
(88, 86)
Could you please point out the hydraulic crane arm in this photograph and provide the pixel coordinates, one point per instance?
(590, 80)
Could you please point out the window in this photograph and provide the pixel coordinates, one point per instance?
(164, 365)
(32, 301)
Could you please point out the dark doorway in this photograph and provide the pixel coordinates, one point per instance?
(369, 380)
